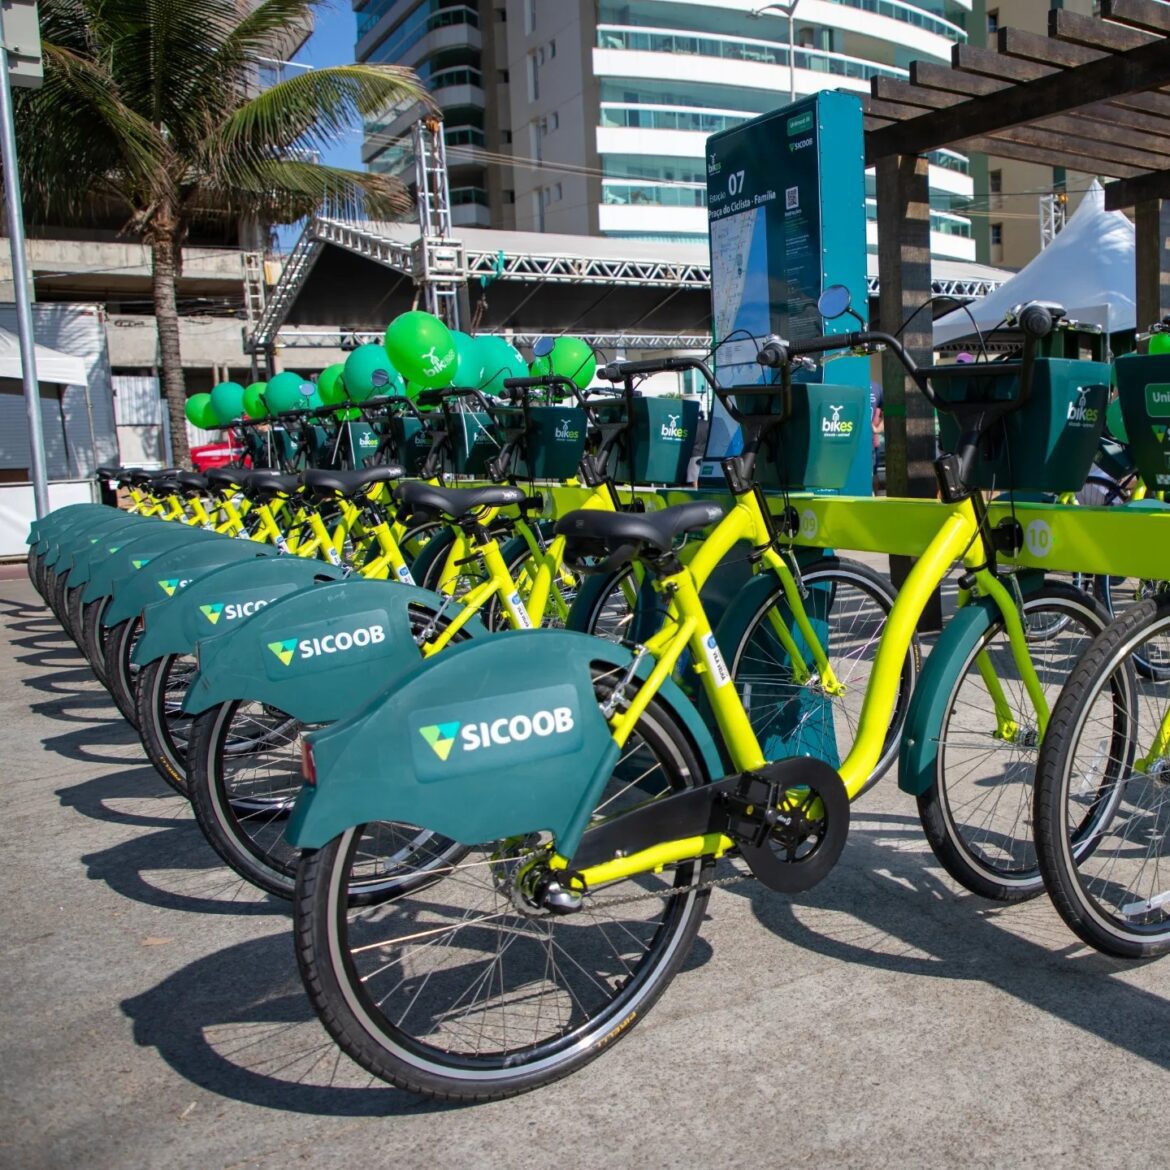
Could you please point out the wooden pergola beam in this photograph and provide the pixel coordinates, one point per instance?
(1129, 192)
(1091, 33)
(1153, 118)
(1142, 14)
(1143, 68)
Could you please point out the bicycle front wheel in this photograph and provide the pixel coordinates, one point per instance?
(847, 604)
(977, 814)
(462, 991)
(1103, 790)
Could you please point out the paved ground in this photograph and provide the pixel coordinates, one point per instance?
(151, 1014)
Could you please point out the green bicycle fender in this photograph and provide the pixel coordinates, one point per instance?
(918, 752)
(78, 540)
(219, 599)
(174, 570)
(127, 557)
(318, 654)
(491, 739)
(43, 529)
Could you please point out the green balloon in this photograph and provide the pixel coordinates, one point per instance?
(347, 415)
(254, 401)
(227, 400)
(468, 365)
(500, 360)
(422, 349)
(331, 384)
(1160, 343)
(572, 358)
(196, 409)
(284, 393)
(370, 373)
(539, 367)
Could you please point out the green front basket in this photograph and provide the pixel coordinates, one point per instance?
(1048, 445)
(1143, 385)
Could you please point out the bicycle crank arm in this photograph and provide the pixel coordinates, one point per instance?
(789, 821)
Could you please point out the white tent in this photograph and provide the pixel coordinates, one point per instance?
(52, 365)
(1088, 268)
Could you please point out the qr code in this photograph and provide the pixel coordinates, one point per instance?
(792, 199)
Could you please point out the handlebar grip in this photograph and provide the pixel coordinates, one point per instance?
(618, 371)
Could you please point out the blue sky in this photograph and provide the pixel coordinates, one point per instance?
(332, 43)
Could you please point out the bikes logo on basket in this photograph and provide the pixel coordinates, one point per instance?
(836, 427)
(305, 648)
(565, 432)
(1158, 400)
(671, 429)
(232, 611)
(511, 729)
(1081, 413)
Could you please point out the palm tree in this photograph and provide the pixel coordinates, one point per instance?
(153, 109)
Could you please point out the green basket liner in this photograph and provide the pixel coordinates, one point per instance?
(1050, 443)
(815, 447)
(412, 442)
(658, 447)
(1143, 386)
(554, 443)
(474, 441)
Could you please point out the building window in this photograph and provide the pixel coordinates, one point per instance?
(529, 16)
(554, 121)
(552, 49)
(533, 78)
(995, 188)
(509, 195)
(501, 16)
(992, 21)
(502, 76)
(506, 137)
(997, 235)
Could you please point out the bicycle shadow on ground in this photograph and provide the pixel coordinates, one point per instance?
(174, 868)
(110, 741)
(886, 906)
(248, 1032)
(99, 799)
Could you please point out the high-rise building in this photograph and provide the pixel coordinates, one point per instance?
(590, 117)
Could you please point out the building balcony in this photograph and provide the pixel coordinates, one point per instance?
(622, 51)
(651, 219)
(427, 31)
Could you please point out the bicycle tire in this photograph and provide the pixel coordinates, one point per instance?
(1086, 804)
(94, 636)
(162, 727)
(121, 674)
(789, 717)
(996, 857)
(581, 1021)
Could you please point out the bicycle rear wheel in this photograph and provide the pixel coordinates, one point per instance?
(163, 726)
(462, 991)
(1103, 790)
(977, 814)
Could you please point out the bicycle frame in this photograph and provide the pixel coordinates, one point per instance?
(958, 538)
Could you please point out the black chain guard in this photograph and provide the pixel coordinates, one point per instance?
(796, 852)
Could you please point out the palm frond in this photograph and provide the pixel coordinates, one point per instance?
(285, 190)
(308, 111)
(76, 131)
